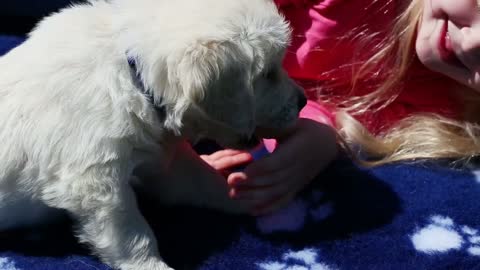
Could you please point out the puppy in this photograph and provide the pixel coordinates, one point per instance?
(101, 88)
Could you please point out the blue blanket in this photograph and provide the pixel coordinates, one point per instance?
(403, 216)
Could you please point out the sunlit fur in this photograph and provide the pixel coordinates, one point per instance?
(75, 123)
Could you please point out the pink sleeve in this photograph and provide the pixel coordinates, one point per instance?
(318, 113)
(313, 111)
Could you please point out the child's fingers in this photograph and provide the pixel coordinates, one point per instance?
(261, 195)
(224, 153)
(227, 162)
(236, 178)
(277, 160)
(264, 200)
(274, 178)
(265, 165)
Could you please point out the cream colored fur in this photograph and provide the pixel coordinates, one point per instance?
(75, 124)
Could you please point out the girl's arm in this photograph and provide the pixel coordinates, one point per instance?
(313, 111)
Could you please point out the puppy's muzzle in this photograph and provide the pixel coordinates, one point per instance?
(301, 98)
(248, 142)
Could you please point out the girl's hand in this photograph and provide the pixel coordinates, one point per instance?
(226, 160)
(271, 182)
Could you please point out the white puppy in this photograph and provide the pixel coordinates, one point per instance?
(99, 89)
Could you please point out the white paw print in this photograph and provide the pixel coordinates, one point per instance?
(476, 173)
(7, 264)
(292, 218)
(443, 235)
(300, 260)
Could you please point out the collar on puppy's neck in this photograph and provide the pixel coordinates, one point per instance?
(138, 81)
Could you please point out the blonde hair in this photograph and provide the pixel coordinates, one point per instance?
(422, 136)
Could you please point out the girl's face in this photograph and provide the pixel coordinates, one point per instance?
(448, 39)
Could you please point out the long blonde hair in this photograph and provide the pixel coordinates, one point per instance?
(422, 136)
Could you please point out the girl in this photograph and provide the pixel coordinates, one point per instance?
(445, 36)
(404, 69)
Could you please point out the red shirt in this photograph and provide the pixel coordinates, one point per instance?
(323, 46)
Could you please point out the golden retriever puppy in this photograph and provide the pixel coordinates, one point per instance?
(101, 88)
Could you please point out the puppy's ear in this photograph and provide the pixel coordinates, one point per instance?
(215, 77)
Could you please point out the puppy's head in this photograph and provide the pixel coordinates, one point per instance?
(226, 81)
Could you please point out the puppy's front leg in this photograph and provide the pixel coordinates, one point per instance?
(108, 219)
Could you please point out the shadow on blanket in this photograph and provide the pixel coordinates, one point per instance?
(188, 236)
(358, 203)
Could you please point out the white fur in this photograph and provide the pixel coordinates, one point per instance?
(75, 123)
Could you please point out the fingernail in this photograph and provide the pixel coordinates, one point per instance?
(236, 179)
(236, 194)
(232, 193)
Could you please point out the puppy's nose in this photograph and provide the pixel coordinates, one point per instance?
(301, 102)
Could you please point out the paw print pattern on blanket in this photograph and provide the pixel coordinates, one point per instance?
(443, 235)
(476, 173)
(300, 260)
(7, 264)
(293, 217)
